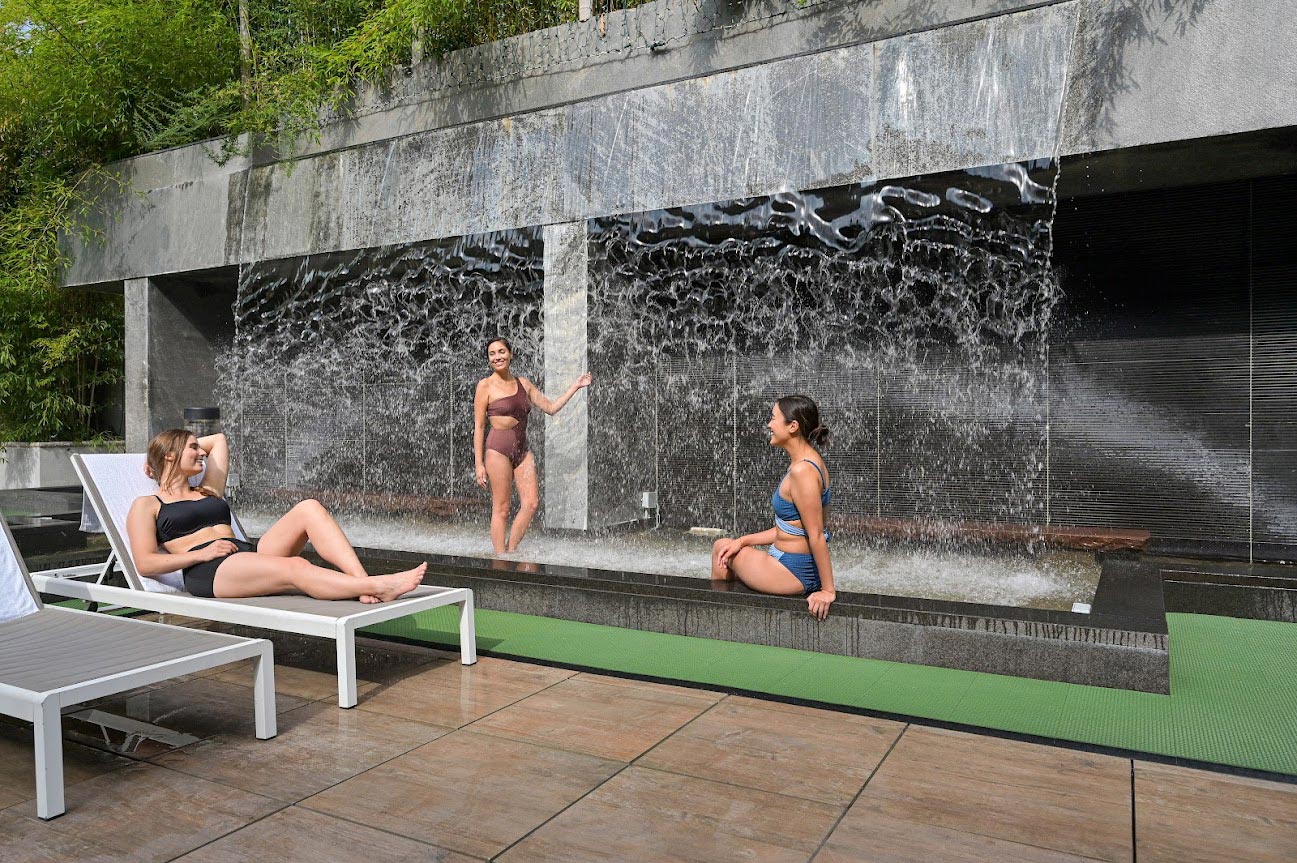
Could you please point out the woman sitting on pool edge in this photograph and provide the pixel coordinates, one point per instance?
(798, 560)
(193, 526)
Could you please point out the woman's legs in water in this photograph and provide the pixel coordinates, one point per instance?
(256, 574)
(758, 571)
(499, 472)
(524, 477)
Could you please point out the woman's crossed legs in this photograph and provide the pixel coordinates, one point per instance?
(276, 567)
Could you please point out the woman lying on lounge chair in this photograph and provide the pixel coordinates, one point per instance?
(193, 525)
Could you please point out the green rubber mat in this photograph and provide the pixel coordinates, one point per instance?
(1233, 682)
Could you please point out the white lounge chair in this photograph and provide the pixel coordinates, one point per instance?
(51, 658)
(113, 481)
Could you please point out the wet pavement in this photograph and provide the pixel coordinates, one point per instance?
(518, 762)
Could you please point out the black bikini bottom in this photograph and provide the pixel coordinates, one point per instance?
(200, 578)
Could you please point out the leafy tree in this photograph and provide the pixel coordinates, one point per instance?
(86, 82)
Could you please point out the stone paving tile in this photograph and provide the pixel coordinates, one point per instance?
(1061, 799)
(865, 835)
(644, 814)
(307, 683)
(450, 694)
(799, 751)
(151, 814)
(472, 793)
(307, 667)
(868, 836)
(605, 716)
(300, 834)
(181, 620)
(1187, 816)
(25, 840)
(196, 705)
(18, 764)
(734, 778)
(317, 746)
(201, 707)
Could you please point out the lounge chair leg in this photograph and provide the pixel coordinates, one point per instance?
(48, 729)
(467, 632)
(346, 667)
(263, 687)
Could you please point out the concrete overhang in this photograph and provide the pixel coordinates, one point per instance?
(781, 96)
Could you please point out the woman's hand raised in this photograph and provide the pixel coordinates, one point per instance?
(584, 381)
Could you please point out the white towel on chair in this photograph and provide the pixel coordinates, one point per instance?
(15, 599)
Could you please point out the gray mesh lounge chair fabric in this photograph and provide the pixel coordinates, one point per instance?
(51, 658)
(50, 649)
(113, 481)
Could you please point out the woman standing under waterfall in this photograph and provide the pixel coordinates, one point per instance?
(797, 563)
(502, 402)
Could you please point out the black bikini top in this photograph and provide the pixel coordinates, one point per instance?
(183, 517)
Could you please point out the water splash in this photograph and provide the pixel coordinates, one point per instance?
(916, 312)
(352, 373)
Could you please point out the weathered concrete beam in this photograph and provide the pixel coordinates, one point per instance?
(1119, 651)
(770, 98)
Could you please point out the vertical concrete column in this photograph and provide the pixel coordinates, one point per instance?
(567, 466)
(137, 295)
(175, 326)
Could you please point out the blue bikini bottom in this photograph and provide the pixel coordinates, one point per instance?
(801, 565)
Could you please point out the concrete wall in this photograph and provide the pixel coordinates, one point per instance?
(41, 465)
(568, 124)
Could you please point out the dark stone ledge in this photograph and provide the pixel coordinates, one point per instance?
(1258, 591)
(1122, 644)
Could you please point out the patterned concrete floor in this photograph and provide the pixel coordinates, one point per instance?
(515, 762)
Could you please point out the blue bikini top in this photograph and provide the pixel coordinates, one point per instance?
(786, 510)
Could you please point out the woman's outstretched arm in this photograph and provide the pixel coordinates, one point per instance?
(217, 447)
(552, 407)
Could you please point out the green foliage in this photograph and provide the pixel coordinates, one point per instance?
(59, 352)
(83, 82)
(86, 82)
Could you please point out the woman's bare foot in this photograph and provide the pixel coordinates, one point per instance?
(390, 587)
(368, 599)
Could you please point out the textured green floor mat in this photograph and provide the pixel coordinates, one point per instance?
(1233, 682)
